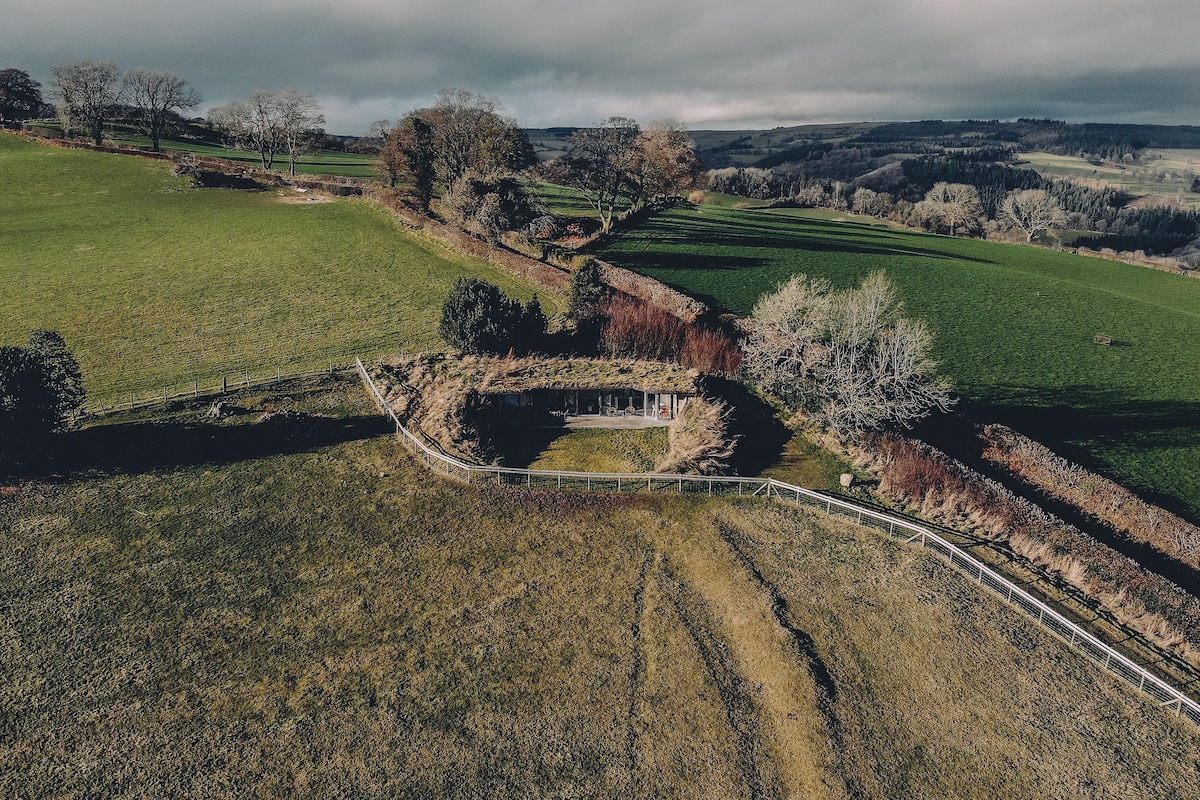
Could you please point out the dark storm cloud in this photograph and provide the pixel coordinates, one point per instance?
(710, 64)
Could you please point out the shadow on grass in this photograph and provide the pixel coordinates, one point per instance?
(788, 233)
(148, 446)
(761, 437)
(1080, 424)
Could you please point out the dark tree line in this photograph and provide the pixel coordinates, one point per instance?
(21, 97)
(1155, 230)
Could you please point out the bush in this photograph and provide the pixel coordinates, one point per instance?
(587, 290)
(851, 359)
(636, 329)
(41, 392)
(478, 318)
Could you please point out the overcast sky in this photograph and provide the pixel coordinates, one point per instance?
(727, 64)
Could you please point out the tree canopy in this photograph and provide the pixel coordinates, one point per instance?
(479, 318)
(271, 123)
(20, 96)
(86, 93)
(41, 392)
(850, 359)
(156, 97)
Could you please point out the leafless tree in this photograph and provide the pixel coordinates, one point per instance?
(1033, 211)
(603, 165)
(87, 93)
(157, 96)
(299, 119)
(270, 123)
(957, 205)
(471, 135)
(850, 359)
(667, 161)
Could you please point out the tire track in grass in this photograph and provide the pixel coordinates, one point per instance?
(827, 693)
(770, 693)
(736, 697)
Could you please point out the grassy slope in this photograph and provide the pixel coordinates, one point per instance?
(1182, 161)
(331, 621)
(1015, 326)
(153, 283)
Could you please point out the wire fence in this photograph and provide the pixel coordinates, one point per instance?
(1116, 663)
(215, 384)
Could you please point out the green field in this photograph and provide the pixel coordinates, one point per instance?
(154, 284)
(293, 608)
(1015, 325)
(1182, 165)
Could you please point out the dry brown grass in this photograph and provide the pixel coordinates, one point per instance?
(1093, 494)
(700, 439)
(339, 623)
(946, 491)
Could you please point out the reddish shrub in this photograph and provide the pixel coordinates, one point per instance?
(712, 352)
(636, 329)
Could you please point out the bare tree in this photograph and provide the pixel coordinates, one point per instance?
(1033, 211)
(955, 204)
(270, 123)
(298, 119)
(376, 134)
(157, 96)
(851, 359)
(603, 165)
(87, 93)
(470, 134)
(668, 162)
(249, 125)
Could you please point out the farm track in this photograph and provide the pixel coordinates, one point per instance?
(767, 687)
(827, 693)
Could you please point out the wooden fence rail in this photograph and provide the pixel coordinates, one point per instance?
(1075, 637)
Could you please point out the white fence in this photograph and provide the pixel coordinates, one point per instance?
(1166, 695)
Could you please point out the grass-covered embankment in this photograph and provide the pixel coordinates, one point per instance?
(153, 283)
(1015, 326)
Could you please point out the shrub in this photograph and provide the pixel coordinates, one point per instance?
(710, 351)
(41, 392)
(587, 290)
(636, 329)
(478, 318)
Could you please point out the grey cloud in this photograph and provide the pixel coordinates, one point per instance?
(713, 64)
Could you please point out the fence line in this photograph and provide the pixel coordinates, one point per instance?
(229, 380)
(1075, 637)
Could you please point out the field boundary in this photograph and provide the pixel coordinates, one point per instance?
(1081, 641)
(213, 385)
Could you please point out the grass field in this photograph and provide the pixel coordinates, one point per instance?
(153, 283)
(1129, 177)
(1015, 326)
(275, 608)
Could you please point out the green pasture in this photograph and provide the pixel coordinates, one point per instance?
(155, 284)
(1130, 178)
(1015, 324)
